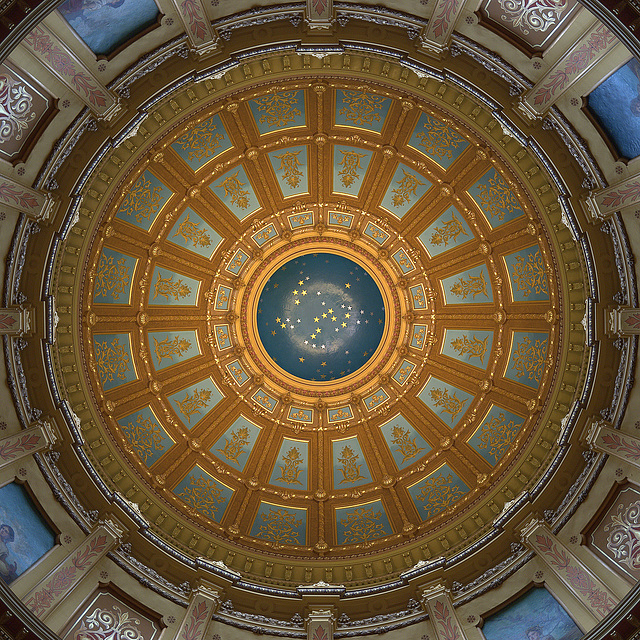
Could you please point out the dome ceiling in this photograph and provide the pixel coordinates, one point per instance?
(322, 318)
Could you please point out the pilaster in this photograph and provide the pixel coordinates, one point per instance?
(596, 597)
(436, 600)
(436, 37)
(205, 600)
(37, 437)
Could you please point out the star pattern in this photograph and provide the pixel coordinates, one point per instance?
(321, 337)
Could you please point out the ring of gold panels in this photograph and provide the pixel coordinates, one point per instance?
(448, 408)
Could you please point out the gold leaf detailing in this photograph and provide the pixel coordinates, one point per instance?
(289, 165)
(233, 187)
(350, 468)
(528, 358)
(419, 336)
(289, 472)
(438, 138)
(235, 447)
(168, 288)
(279, 109)
(236, 371)
(474, 285)
(168, 348)
(450, 230)
(203, 495)
(418, 298)
(192, 404)
(350, 164)
(223, 337)
(112, 277)
(361, 108)
(144, 435)
(113, 361)
(530, 274)
(407, 447)
(439, 493)
(362, 525)
(403, 373)
(340, 414)
(142, 199)
(201, 141)
(191, 233)
(407, 186)
(496, 197)
(449, 404)
(496, 435)
(474, 348)
(279, 526)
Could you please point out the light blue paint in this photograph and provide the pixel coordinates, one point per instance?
(264, 235)
(237, 262)
(496, 200)
(235, 445)
(278, 111)
(497, 439)
(223, 296)
(284, 525)
(418, 336)
(291, 468)
(436, 394)
(469, 287)
(266, 401)
(193, 412)
(362, 523)
(203, 142)
(340, 219)
(204, 493)
(32, 536)
(376, 233)
(406, 445)
(376, 399)
(298, 220)
(179, 291)
(192, 233)
(527, 275)
(349, 464)
(438, 141)
(350, 165)
(437, 491)
(149, 449)
(362, 110)
(113, 359)
(468, 349)
(110, 289)
(448, 231)
(401, 376)
(144, 201)
(405, 189)
(615, 103)
(235, 191)
(340, 413)
(527, 359)
(237, 372)
(418, 298)
(403, 261)
(161, 361)
(292, 171)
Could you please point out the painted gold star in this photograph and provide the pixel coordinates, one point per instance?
(348, 286)
(313, 335)
(275, 285)
(300, 282)
(330, 310)
(316, 319)
(324, 315)
(347, 315)
(273, 333)
(304, 293)
(323, 364)
(283, 325)
(344, 324)
(301, 359)
(318, 330)
(295, 292)
(296, 301)
(333, 318)
(278, 320)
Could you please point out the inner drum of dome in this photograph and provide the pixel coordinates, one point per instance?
(320, 317)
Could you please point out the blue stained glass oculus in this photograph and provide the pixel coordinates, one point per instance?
(320, 317)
